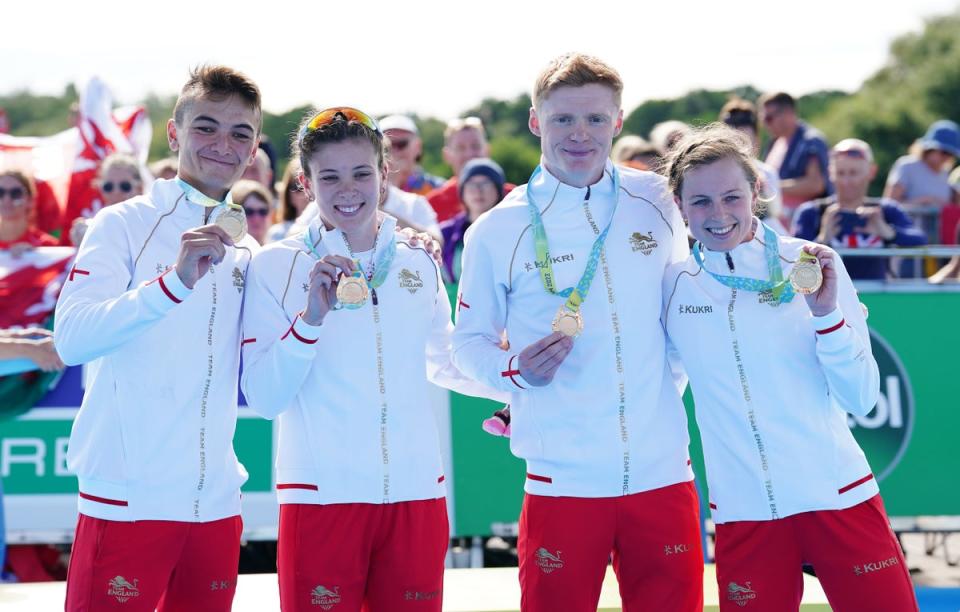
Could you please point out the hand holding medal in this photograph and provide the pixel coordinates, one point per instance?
(816, 278)
(327, 275)
(539, 362)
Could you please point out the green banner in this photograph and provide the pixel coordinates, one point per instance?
(909, 438)
(33, 453)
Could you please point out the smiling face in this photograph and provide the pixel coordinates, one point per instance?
(576, 126)
(345, 180)
(717, 200)
(215, 142)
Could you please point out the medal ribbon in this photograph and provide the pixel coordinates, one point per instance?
(380, 269)
(198, 197)
(575, 295)
(781, 288)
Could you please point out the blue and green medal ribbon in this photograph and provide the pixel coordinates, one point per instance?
(575, 295)
(198, 197)
(380, 269)
(777, 285)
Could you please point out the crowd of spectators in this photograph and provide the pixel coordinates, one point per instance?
(811, 190)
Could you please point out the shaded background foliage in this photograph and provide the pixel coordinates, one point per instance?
(919, 84)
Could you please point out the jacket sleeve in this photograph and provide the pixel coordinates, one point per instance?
(674, 361)
(277, 354)
(98, 311)
(843, 349)
(440, 368)
(482, 318)
(680, 246)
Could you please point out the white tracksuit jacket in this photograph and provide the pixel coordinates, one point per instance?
(611, 422)
(346, 435)
(154, 435)
(772, 385)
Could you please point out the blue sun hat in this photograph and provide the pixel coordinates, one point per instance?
(943, 135)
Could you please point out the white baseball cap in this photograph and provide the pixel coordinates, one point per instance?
(398, 122)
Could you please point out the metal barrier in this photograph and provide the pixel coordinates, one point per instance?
(929, 253)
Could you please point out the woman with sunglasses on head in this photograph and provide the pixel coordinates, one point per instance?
(344, 325)
(118, 179)
(772, 335)
(255, 200)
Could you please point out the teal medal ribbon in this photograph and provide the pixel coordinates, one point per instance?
(379, 269)
(575, 295)
(198, 197)
(780, 288)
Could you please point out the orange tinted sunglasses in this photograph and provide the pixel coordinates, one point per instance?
(328, 116)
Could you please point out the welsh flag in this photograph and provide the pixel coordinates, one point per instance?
(65, 164)
(30, 284)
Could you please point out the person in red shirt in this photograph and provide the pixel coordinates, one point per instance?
(464, 140)
(18, 228)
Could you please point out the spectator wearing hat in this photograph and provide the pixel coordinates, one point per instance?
(406, 150)
(920, 179)
(481, 184)
(798, 152)
(849, 219)
(464, 139)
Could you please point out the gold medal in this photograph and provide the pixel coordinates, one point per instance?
(234, 222)
(806, 275)
(352, 292)
(567, 322)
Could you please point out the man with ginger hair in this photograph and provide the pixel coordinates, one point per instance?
(581, 249)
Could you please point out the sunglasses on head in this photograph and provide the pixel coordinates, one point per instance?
(15, 193)
(122, 186)
(854, 153)
(341, 113)
(294, 187)
(256, 212)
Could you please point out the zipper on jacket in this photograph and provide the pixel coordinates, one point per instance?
(730, 261)
(762, 450)
(381, 376)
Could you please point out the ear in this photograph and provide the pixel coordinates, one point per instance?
(534, 122)
(307, 185)
(253, 152)
(676, 201)
(872, 172)
(172, 136)
(619, 127)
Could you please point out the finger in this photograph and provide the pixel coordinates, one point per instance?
(541, 344)
(341, 262)
(549, 368)
(561, 347)
(215, 230)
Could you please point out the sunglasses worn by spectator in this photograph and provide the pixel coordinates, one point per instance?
(256, 212)
(15, 193)
(399, 145)
(122, 186)
(342, 113)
